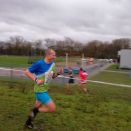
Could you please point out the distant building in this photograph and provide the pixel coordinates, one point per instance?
(124, 57)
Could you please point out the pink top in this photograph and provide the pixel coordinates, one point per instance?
(83, 77)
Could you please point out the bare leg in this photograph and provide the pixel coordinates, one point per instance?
(33, 114)
(68, 88)
(38, 104)
(50, 107)
(83, 88)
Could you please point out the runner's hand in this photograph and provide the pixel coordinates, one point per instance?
(39, 82)
(59, 71)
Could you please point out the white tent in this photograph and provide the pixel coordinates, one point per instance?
(125, 58)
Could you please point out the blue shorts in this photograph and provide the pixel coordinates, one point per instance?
(43, 97)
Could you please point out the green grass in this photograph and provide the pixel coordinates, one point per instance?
(21, 61)
(13, 61)
(106, 108)
(25, 61)
(114, 67)
(113, 78)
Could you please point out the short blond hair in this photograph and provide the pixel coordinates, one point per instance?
(49, 51)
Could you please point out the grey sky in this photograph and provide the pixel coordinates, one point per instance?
(81, 20)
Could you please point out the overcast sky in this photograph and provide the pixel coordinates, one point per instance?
(82, 20)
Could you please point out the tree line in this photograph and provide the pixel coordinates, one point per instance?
(19, 46)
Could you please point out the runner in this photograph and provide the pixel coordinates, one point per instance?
(83, 80)
(71, 81)
(41, 72)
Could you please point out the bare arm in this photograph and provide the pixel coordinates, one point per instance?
(29, 75)
(32, 77)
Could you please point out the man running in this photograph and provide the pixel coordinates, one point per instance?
(41, 72)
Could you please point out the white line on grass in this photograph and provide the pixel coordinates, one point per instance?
(8, 69)
(122, 72)
(100, 82)
(107, 83)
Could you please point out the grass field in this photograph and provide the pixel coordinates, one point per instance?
(113, 77)
(106, 108)
(13, 61)
(22, 61)
(114, 67)
(19, 61)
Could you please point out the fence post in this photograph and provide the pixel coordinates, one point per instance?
(11, 77)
